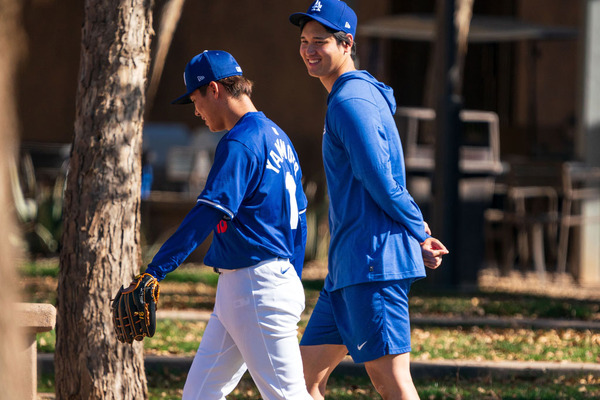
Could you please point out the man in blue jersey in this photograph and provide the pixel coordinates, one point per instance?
(254, 204)
(379, 241)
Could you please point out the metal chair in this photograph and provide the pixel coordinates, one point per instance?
(475, 158)
(526, 224)
(580, 183)
(535, 208)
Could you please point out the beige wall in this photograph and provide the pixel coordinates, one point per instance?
(266, 45)
(258, 34)
(555, 75)
(49, 73)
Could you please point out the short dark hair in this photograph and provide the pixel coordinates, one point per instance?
(234, 85)
(340, 36)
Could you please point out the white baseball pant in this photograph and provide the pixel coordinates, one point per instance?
(253, 326)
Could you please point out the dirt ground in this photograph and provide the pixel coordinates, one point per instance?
(490, 280)
(553, 285)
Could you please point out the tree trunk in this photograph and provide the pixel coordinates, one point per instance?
(11, 345)
(169, 18)
(435, 73)
(101, 245)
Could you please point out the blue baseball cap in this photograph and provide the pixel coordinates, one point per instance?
(334, 14)
(208, 66)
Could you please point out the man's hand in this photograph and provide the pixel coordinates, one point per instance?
(433, 250)
(427, 230)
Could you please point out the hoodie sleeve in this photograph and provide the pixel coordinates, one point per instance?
(357, 122)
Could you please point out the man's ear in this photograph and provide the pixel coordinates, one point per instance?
(349, 36)
(213, 89)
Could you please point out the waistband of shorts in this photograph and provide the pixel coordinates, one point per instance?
(274, 259)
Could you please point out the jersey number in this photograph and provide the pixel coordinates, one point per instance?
(290, 185)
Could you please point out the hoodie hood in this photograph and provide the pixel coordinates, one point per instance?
(386, 91)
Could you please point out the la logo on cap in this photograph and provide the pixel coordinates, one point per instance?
(317, 6)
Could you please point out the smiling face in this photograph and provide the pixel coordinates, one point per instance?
(323, 56)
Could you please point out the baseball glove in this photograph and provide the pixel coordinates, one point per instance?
(134, 309)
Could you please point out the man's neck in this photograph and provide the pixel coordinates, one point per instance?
(329, 80)
(237, 108)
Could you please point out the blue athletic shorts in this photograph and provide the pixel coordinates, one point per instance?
(370, 319)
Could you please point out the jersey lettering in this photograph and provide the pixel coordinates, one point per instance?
(271, 167)
(276, 158)
(280, 146)
(290, 185)
(222, 226)
(284, 152)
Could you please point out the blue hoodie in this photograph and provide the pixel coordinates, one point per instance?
(376, 227)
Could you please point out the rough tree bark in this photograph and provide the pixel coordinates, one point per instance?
(101, 244)
(11, 344)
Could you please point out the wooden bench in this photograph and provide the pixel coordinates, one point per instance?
(34, 318)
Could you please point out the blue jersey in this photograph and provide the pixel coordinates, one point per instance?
(256, 181)
(376, 227)
(253, 202)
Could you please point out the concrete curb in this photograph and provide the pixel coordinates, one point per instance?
(436, 369)
(184, 315)
(497, 322)
(466, 369)
(513, 369)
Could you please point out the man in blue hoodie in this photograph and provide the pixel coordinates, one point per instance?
(379, 242)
